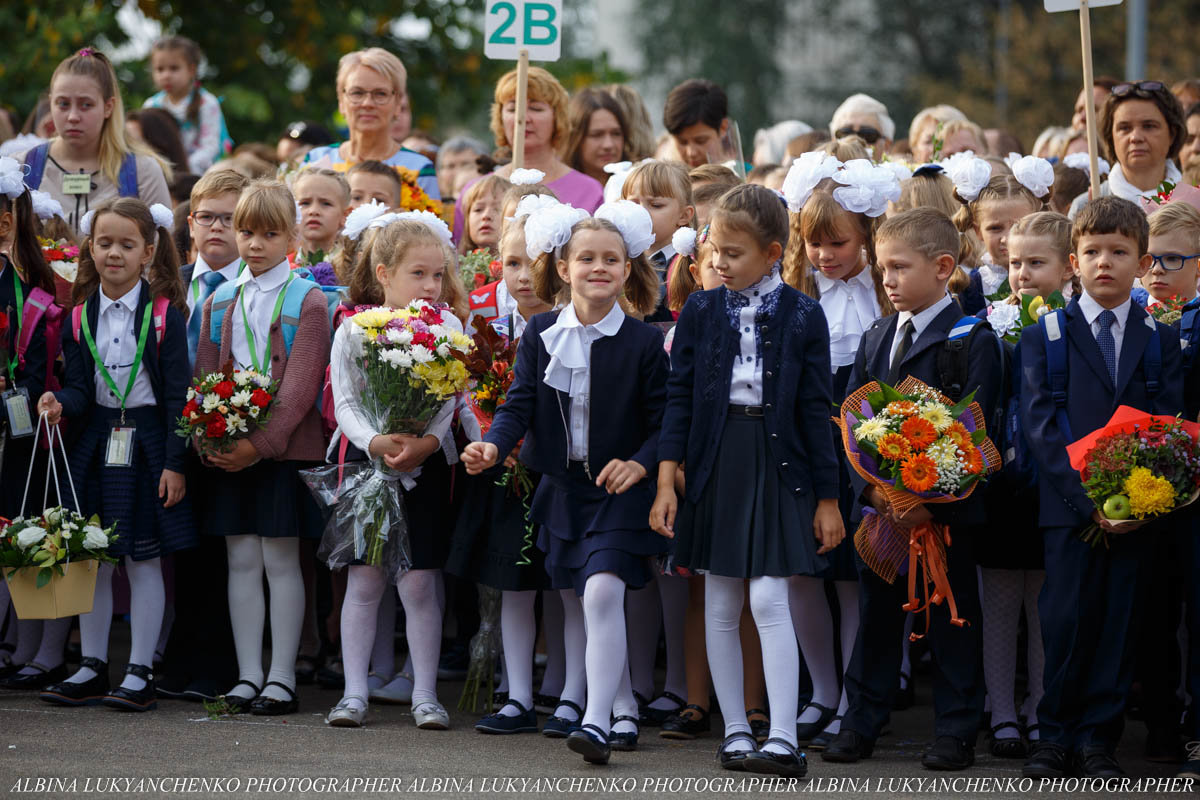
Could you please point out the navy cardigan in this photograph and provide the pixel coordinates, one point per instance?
(628, 379)
(797, 392)
(165, 363)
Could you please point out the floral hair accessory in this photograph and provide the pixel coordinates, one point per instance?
(804, 175)
(526, 177)
(19, 144)
(45, 206)
(619, 170)
(901, 170)
(361, 217)
(162, 216)
(1012, 158)
(430, 220)
(1035, 174)
(702, 237)
(634, 223)
(85, 52)
(1083, 162)
(12, 178)
(683, 241)
(532, 203)
(548, 229)
(85, 222)
(866, 188)
(969, 173)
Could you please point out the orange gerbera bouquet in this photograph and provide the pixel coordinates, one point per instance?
(915, 446)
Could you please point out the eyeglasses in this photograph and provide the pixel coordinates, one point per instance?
(205, 220)
(1141, 89)
(867, 133)
(1172, 262)
(359, 96)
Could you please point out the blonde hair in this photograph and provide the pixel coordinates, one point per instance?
(543, 88)
(641, 287)
(939, 114)
(389, 246)
(378, 59)
(847, 148)
(513, 196)
(215, 183)
(955, 125)
(1000, 187)
(660, 179)
(1057, 229)
(1176, 217)
(266, 205)
(489, 184)
(324, 172)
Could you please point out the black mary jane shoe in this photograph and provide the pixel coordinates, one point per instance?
(557, 727)
(525, 722)
(87, 693)
(625, 742)
(652, 717)
(687, 723)
(36, 681)
(144, 699)
(735, 760)
(807, 731)
(760, 728)
(265, 706)
(591, 743)
(1010, 747)
(235, 703)
(791, 764)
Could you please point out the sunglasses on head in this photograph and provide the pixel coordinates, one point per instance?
(867, 134)
(1140, 88)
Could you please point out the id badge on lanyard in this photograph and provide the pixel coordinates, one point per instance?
(16, 410)
(119, 450)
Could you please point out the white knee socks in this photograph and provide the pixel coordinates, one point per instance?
(1001, 605)
(604, 616)
(552, 633)
(722, 616)
(574, 636)
(518, 629)
(147, 599)
(249, 557)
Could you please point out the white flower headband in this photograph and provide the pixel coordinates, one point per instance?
(804, 175)
(683, 241)
(45, 206)
(1083, 162)
(547, 229)
(969, 174)
(361, 217)
(1035, 174)
(162, 216)
(12, 178)
(634, 223)
(526, 177)
(866, 188)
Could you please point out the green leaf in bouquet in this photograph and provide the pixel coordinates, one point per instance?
(43, 577)
(870, 450)
(961, 407)
(891, 394)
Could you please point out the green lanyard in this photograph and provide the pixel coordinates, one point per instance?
(12, 364)
(137, 359)
(196, 282)
(263, 367)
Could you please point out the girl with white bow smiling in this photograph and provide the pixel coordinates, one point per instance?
(588, 397)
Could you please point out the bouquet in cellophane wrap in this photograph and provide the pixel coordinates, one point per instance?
(915, 446)
(402, 370)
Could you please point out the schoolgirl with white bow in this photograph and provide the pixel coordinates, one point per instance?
(126, 378)
(830, 257)
(748, 411)
(594, 449)
(665, 191)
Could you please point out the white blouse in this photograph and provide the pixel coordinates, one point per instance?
(850, 307)
(116, 343)
(259, 295)
(745, 384)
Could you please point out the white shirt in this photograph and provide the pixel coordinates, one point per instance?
(745, 383)
(116, 337)
(569, 344)
(505, 303)
(1091, 312)
(850, 307)
(920, 320)
(229, 271)
(259, 295)
(1122, 188)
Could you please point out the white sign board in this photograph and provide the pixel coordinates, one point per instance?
(511, 26)
(1073, 5)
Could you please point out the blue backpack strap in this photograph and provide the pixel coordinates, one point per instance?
(1054, 326)
(35, 159)
(293, 302)
(222, 299)
(127, 179)
(1152, 360)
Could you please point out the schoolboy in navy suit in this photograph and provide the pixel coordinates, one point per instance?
(1115, 355)
(917, 250)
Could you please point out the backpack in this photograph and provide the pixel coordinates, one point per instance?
(483, 302)
(158, 317)
(296, 290)
(127, 178)
(40, 304)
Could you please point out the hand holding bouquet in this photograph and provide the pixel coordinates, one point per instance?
(223, 407)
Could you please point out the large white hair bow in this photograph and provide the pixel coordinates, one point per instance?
(634, 223)
(162, 216)
(618, 172)
(361, 217)
(1035, 174)
(548, 229)
(1083, 162)
(969, 173)
(866, 188)
(532, 203)
(804, 175)
(44, 205)
(12, 178)
(526, 177)
(431, 221)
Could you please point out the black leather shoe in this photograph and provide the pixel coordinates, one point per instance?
(653, 717)
(848, 747)
(735, 759)
(625, 742)
(1009, 747)
(807, 731)
(1095, 762)
(791, 764)
(270, 707)
(687, 723)
(591, 743)
(87, 693)
(1048, 760)
(560, 727)
(37, 681)
(238, 704)
(144, 699)
(525, 722)
(948, 753)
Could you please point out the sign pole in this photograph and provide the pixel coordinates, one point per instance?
(1085, 35)
(522, 102)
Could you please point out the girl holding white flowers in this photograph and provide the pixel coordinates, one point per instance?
(126, 379)
(594, 450)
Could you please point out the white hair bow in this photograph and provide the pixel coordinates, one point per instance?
(634, 223)
(969, 174)
(804, 175)
(45, 206)
(532, 203)
(547, 229)
(619, 170)
(866, 188)
(431, 221)
(683, 241)
(12, 178)
(1035, 174)
(162, 216)
(526, 177)
(1083, 161)
(362, 217)
(85, 222)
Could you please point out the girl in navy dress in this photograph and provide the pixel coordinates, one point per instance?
(127, 375)
(594, 449)
(748, 411)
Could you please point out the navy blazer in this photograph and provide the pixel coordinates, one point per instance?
(797, 392)
(985, 376)
(628, 379)
(1189, 340)
(1091, 401)
(165, 363)
(31, 378)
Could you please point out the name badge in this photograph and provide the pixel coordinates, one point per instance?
(16, 409)
(119, 452)
(76, 183)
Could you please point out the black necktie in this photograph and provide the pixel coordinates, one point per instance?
(898, 359)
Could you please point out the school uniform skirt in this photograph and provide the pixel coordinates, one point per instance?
(266, 499)
(493, 542)
(747, 523)
(128, 496)
(585, 530)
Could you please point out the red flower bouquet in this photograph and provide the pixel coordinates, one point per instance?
(223, 407)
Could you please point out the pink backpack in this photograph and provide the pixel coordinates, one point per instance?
(40, 303)
(158, 315)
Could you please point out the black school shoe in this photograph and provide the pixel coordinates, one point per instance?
(807, 731)
(1096, 762)
(735, 760)
(653, 717)
(791, 764)
(270, 707)
(848, 747)
(87, 693)
(591, 743)
(948, 753)
(235, 703)
(625, 742)
(687, 723)
(1048, 760)
(144, 699)
(37, 681)
(560, 727)
(525, 722)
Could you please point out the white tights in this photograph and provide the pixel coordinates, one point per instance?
(279, 557)
(147, 599)
(1004, 591)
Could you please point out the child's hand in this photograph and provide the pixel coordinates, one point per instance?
(413, 452)
(172, 486)
(478, 456)
(828, 526)
(1107, 524)
(618, 475)
(879, 501)
(662, 513)
(243, 455)
(48, 404)
(915, 517)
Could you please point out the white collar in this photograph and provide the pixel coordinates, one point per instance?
(1121, 187)
(668, 253)
(862, 280)
(569, 347)
(1091, 309)
(128, 301)
(271, 279)
(764, 286)
(230, 270)
(922, 319)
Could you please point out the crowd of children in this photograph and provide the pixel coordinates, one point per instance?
(699, 495)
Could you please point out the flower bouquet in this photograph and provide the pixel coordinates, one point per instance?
(1009, 319)
(317, 267)
(915, 446)
(222, 407)
(478, 268)
(1137, 467)
(38, 552)
(1168, 311)
(403, 370)
(63, 258)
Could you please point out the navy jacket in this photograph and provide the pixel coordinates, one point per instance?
(1189, 342)
(628, 380)
(797, 392)
(972, 299)
(33, 377)
(165, 363)
(1091, 401)
(985, 374)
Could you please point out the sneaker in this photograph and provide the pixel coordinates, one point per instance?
(431, 717)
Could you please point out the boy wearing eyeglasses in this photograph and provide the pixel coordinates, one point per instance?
(211, 223)
(1175, 248)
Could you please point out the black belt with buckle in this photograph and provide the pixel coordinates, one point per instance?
(746, 411)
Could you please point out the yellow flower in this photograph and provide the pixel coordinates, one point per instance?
(938, 415)
(372, 318)
(1149, 494)
(871, 430)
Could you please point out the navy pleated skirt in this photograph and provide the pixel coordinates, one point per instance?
(585, 530)
(493, 543)
(267, 499)
(128, 496)
(747, 523)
